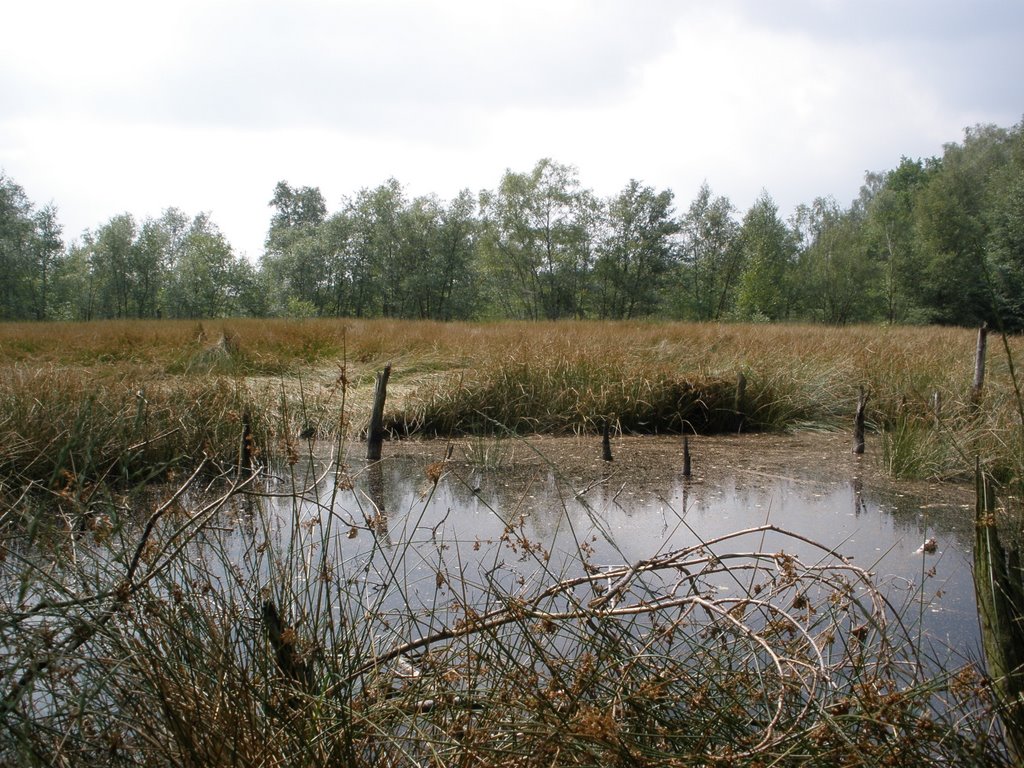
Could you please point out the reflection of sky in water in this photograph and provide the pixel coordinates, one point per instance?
(455, 526)
(883, 536)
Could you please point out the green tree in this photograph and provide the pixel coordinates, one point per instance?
(296, 208)
(712, 260)
(30, 253)
(768, 246)
(455, 279)
(47, 250)
(838, 279)
(295, 260)
(15, 250)
(636, 253)
(111, 266)
(888, 200)
(437, 245)
(248, 293)
(1004, 246)
(205, 275)
(337, 238)
(379, 263)
(73, 285)
(952, 228)
(151, 259)
(538, 241)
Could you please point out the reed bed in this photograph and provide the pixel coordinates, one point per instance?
(71, 431)
(566, 377)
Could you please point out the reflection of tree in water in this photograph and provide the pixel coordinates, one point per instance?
(859, 505)
(376, 514)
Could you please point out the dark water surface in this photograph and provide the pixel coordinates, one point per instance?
(553, 494)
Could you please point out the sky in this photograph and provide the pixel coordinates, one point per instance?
(110, 107)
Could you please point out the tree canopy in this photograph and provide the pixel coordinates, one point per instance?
(933, 240)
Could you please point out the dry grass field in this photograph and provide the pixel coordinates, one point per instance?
(76, 397)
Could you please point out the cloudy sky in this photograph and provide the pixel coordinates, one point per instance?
(112, 106)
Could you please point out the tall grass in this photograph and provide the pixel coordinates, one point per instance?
(551, 377)
(68, 430)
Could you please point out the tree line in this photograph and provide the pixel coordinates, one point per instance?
(936, 240)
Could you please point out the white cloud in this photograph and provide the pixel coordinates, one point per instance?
(115, 106)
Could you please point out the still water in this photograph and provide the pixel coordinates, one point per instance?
(517, 512)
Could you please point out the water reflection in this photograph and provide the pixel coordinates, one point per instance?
(519, 524)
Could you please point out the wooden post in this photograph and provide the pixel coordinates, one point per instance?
(737, 404)
(979, 365)
(282, 640)
(686, 456)
(375, 434)
(606, 443)
(246, 449)
(937, 408)
(858, 423)
(999, 589)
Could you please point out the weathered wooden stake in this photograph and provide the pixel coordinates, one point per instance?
(979, 365)
(858, 423)
(375, 434)
(686, 456)
(246, 449)
(937, 408)
(737, 404)
(282, 640)
(606, 443)
(999, 589)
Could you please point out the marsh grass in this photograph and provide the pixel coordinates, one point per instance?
(568, 395)
(152, 615)
(69, 387)
(69, 430)
(490, 453)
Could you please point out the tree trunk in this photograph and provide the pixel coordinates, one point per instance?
(858, 423)
(375, 434)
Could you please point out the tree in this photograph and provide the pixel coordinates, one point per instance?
(437, 244)
(888, 201)
(379, 264)
(111, 266)
(765, 290)
(74, 284)
(294, 258)
(636, 253)
(204, 279)
(837, 277)
(247, 289)
(711, 261)
(455, 282)
(334, 245)
(952, 228)
(15, 238)
(151, 260)
(47, 250)
(538, 242)
(1004, 245)
(30, 252)
(296, 208)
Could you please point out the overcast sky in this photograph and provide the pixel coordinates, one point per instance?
(110, 107)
